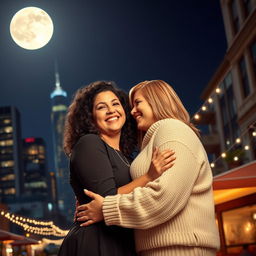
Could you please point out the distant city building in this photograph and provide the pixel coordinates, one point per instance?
(11, 173)
(230, 114)
(59, 108)
(35, 168)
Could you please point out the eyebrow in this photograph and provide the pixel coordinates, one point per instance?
(102, 102)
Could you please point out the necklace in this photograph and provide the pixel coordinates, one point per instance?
(124, 160)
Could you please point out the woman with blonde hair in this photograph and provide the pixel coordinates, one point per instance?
(174, 214)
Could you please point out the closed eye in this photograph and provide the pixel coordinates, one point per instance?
(137, 102)
(101, 107)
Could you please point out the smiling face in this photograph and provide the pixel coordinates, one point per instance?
(142, 112)
(108, 113)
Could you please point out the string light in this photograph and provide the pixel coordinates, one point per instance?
(45, 228)
(218, 90)
(210, 100)
(246, 147)
(197, 117)
(238, 140)
(223, 155)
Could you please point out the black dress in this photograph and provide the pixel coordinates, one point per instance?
(97, 167)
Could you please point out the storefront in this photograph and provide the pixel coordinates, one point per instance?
(235, 207)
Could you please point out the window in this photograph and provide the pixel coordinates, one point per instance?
(4, 121)
(9, 163)
(239, 225)
(10, 191)
(244, 77)
(8, 177)
(228, 110)
(235, 18)
(7, 129)
(5, 143)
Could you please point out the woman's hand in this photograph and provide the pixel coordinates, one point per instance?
(75, 214)
(92, 212)
(161, 161)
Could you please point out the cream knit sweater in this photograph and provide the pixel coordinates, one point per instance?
(177, 208)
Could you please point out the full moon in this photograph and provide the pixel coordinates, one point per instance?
(31, 28)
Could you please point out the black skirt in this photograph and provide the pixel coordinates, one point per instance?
(98, 240)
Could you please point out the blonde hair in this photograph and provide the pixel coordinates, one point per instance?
(164, 102)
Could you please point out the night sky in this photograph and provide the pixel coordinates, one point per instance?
(181, 42)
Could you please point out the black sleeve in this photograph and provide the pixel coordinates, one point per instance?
(91, 165)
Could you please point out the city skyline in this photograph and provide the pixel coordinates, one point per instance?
(123, 42)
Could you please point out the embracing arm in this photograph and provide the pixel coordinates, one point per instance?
(151, 205)
(161, 161)
(159, 200)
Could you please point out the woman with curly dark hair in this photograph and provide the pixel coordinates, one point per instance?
(100, 137)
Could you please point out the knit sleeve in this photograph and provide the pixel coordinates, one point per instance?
(161, 199)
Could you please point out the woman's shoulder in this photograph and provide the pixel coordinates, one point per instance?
(89, 141)
(175, 130)
(170, 124)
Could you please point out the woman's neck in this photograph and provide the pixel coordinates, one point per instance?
(112, 141)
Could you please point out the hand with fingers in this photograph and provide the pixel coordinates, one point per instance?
(92, 212)
(75, 214)
(161, 162)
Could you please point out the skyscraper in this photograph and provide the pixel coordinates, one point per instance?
(59, 108)
(35, 169)
(11, 175)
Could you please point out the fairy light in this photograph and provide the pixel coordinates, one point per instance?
(218, 90)
(223, 155)
(45, 228)
(210, 100)
(197, 117)
(229, 144)
(236, 158)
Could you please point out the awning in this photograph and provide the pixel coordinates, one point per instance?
(241, 177)
(235, 183)
(5, 235)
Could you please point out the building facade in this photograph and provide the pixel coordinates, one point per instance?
(35, 167)
(11, 173)
(59, 108)
(230, 115)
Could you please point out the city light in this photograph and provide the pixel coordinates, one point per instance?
(45, 228)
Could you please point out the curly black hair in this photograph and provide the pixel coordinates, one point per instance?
(79, 119)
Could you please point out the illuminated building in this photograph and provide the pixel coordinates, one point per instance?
(231, 119)
(59, 107)
(35, 169)
(11, 176)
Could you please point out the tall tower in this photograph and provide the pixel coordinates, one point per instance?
(59, 109)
